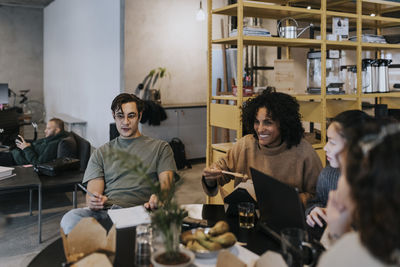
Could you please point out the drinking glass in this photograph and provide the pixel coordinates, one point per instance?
(246, 215)
(292, 240)
(143, 245)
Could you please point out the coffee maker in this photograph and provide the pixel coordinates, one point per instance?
(334, 84)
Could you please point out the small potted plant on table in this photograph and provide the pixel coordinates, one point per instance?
(166, 219)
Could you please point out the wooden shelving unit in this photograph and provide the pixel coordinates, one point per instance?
(314, 108)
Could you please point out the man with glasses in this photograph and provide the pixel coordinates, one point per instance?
(110, 183)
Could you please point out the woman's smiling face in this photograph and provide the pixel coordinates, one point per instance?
(268, 131)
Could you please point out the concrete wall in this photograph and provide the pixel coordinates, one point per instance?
(161, 33)
(82, 62)
(21, 49)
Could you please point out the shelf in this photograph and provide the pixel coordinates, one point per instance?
(271, 41)
(265, 10)
(371, 46)
(344, 97)
(373, 95)
(341, 14)
(224, 147)
(381, 2)
(307, 97)
(342, 45)
(225, 97)
(379, 21)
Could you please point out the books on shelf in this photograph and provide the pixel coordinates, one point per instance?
(6, 172)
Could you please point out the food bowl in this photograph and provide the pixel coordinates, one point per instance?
(206, 254)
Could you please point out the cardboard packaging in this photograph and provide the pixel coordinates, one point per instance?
(89, 241)
(288, 77)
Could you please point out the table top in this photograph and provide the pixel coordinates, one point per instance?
(257, 242)
(62, 179)
(25, 177)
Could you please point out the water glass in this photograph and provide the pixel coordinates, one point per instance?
(143, 245)
(246, 215)
(292, 246)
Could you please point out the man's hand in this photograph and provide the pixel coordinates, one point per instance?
(211, 175)
(21, 144)
(152, 204)
(96, 202)
(338, 216)
(317, 215)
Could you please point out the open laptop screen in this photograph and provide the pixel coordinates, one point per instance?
(280, 205)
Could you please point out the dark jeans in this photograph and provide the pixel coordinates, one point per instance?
(6, 159)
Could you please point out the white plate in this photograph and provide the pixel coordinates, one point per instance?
(206, 254)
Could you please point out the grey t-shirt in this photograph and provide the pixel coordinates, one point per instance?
(123, 187)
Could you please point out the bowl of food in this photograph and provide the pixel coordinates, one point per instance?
(208, 242)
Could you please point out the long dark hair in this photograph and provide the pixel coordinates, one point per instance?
(280, 107)
(373, 173)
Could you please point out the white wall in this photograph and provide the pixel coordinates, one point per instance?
(161, 33)
(82, 62)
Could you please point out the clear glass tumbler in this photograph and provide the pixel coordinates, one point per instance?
(143, 245)
(246, 215)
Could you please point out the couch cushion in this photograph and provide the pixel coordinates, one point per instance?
(67, 147)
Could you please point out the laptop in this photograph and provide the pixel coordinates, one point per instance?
(279, 204)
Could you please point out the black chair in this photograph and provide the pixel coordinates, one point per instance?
(72, 146)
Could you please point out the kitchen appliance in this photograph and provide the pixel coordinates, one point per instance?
(334, 83)
(290, 31)
(383, 77)
(369, 75)
(376, 75)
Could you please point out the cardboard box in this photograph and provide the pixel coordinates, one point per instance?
(89, 238)
(288, 77)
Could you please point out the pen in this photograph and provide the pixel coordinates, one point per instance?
(84, 189)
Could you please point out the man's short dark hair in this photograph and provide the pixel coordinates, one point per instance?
(124, 98)
(58, 122)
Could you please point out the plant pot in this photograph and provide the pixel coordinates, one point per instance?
(184, 251)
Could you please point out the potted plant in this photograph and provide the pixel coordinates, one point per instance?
(166, 220)
(152, 84)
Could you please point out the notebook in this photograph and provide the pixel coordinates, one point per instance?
(279, 204)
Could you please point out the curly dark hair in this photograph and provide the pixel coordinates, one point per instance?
(375, 189)
(124, 98)
(280, 107)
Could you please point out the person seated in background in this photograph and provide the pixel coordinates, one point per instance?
(337, 135)
(274, 146)
(115, 186)
(39, 151)
(368, 198)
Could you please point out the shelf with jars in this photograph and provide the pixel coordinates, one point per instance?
(363, 16)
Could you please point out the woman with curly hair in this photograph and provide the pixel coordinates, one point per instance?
(368, 197)
(274, 146)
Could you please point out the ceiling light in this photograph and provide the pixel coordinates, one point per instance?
(372, 15)
(308, 7)
(200, 14)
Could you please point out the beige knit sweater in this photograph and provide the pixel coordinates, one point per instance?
(298, 166)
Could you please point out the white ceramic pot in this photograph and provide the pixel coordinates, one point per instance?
(189, 253)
